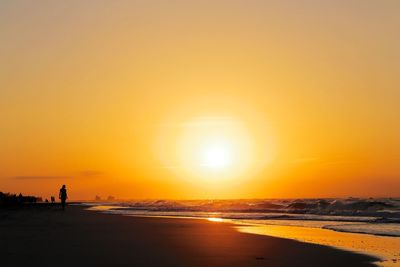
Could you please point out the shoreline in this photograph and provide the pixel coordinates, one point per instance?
(379, 246)
(44, 235)
(384, 248)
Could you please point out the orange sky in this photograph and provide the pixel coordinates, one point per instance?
(119, 98)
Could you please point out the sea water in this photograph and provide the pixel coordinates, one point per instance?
(369, 226)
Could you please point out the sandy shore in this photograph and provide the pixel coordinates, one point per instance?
(46, 236)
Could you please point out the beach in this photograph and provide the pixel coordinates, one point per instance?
(43, 235)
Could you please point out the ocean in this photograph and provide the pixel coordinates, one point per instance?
(365, 225)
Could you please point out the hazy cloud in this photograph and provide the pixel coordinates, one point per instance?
(84, 173)
(28, 177)
(200, 121)
(90, 173)
(306, 160)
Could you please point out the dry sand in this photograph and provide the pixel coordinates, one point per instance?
(42, 235)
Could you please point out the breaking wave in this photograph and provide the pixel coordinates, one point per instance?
(357, 215)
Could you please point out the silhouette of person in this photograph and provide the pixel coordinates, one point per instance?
(63, 196)
(52, 199)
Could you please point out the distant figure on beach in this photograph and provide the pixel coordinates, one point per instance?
(53, 199)
(63, 196)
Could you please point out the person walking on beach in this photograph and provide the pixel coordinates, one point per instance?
(63, 196)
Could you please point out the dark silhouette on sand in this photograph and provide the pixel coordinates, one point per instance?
(8, 199)
(63, 196)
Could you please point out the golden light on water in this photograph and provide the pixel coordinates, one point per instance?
(383, 247)
(215, 219)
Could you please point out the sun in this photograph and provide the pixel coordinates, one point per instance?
(216, 156)
(214, 148)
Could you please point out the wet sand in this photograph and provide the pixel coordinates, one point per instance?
(384, 247)
(43, 235)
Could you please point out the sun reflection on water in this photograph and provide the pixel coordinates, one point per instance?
(384, 247)
(214, 219)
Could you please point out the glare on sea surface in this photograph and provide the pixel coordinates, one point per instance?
(215, 219)
(384, 247)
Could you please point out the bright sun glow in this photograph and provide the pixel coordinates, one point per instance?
(211, 150)
(214, 148)
(216, 157)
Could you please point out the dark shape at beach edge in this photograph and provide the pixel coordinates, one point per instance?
(8, 199)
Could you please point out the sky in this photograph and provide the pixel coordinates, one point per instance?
(200, 99)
